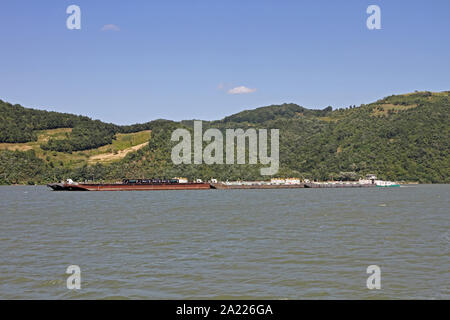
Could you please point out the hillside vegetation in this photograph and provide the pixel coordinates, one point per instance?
(401, 137)
(19, 124)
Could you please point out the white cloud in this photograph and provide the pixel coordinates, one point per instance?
(241, 90)
(110, 27)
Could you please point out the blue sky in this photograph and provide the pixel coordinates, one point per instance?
(180, 59)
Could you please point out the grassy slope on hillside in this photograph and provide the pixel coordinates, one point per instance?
(118, 148)
(20, 125)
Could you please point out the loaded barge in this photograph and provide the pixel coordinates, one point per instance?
(370, 181)
(226, 186)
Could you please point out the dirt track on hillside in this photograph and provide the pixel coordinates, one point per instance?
(105, 157)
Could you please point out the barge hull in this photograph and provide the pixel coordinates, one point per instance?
(128, 187)
(338, 185)
(222, 186)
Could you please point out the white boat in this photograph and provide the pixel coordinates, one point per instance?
(372, 179)
(381, 183)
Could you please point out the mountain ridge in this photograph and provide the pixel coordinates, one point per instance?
(401, 137)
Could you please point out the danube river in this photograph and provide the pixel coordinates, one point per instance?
(226, 244)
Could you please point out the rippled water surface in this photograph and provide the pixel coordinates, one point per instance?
(268, 244)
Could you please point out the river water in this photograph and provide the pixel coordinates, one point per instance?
(226, 244)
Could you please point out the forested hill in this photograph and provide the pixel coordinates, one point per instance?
(273, 112)
(402, 137)
(19, 124)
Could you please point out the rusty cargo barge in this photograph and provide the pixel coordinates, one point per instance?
(223, 186)
(339, 185)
